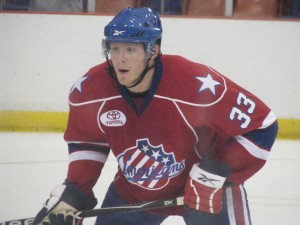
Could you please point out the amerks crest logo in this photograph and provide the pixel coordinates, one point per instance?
(113, 118)
(148, 166)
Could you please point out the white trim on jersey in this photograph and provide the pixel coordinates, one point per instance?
(270, 119)
(230, 206)
(98, 117)
(245, 206)
(94, 101)
(190, 126)
(252, 148)
(88, 155)
(230, 196)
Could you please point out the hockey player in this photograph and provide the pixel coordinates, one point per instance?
(176, 128)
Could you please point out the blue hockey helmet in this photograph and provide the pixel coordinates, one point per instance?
(134, 25)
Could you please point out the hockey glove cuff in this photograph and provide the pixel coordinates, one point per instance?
(204, 189)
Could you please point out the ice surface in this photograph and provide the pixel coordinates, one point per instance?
(31, 164)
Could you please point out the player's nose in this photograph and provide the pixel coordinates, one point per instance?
(121, 56)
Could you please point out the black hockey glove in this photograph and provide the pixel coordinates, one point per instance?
(64, 201)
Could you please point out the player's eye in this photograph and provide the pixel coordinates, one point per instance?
(114, 49)
(130, 49)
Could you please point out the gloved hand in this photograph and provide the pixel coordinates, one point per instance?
(64, 201)
(204, 187)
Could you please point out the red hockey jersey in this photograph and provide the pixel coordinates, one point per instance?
(190, 110)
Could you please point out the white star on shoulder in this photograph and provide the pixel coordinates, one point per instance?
(208, 83)
(78, 83)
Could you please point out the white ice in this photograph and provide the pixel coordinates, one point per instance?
(31, 164)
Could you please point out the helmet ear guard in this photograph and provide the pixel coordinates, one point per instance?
(105, 48)
(150, 50)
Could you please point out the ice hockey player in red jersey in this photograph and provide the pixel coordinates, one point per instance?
(175, 127)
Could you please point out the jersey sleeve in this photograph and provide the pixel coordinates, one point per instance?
(249, 125)
(87, 145)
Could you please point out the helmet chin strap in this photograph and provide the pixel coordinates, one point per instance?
(112, 72)
(142, 75)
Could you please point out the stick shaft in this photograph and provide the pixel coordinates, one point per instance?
(158, 204)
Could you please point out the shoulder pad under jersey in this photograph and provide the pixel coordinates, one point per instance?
(191, 83)
(95, 85)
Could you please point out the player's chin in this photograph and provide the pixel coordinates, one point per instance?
(123, 80)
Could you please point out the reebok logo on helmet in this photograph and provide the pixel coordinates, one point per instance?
(117, 32)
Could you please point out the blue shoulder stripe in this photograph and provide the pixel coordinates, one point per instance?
(263, 138)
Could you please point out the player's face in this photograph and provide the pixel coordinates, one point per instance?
(129, 61)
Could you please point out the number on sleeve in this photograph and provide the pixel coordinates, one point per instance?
(236, 113)
(246, 101)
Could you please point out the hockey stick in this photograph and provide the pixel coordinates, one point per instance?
(157, 204)
(132, 208)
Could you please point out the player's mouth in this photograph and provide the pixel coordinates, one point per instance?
(123, 71)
